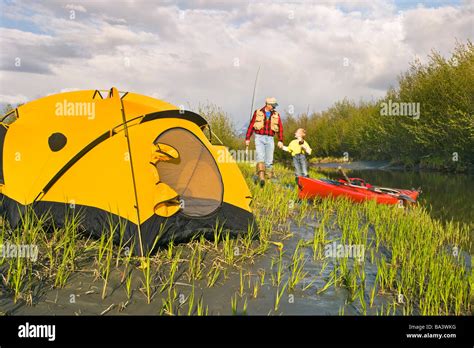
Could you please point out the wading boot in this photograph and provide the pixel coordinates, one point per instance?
(269, 174)
(261, 173)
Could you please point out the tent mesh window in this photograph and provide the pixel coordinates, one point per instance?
(194, 175)
(11, 117)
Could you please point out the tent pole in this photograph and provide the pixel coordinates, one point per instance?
(133, 178)
(214, 134)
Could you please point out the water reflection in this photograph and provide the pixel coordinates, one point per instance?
(448, 196)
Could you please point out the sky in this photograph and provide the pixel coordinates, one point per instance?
(310, 53)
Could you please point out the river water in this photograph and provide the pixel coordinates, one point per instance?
(448, 196)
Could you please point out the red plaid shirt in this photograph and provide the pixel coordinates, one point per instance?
(266, 130)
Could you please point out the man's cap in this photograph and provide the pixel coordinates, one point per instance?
(271, 101)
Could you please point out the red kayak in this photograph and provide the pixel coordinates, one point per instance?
(357, 190)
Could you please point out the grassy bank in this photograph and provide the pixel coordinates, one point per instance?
(412, 264)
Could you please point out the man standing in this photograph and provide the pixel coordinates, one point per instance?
(266, 122)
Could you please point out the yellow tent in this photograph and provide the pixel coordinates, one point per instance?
(126, 156)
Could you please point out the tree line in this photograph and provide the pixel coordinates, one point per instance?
(426, 120)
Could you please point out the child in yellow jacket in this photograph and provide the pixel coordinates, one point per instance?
(299, 148)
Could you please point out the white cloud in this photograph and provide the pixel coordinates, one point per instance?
(185, 52)
(13, 99)
(76, 7)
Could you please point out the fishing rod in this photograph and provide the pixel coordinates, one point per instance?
(251, 107)
(254, 90)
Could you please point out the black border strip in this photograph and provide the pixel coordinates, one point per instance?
(339, 331)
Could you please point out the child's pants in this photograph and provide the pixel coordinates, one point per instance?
(301, 167)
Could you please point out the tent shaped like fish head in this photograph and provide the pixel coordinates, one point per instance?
(125, 157)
